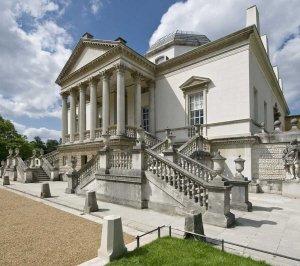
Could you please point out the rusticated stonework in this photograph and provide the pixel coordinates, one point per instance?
(268, 162)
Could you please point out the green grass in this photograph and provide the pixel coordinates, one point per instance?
(174, 251)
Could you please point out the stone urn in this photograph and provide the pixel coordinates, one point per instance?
(239, 167)
(218, 163)
(140, 135)
(277, 125)
(294, 123)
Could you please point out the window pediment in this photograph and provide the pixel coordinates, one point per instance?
(194, 82)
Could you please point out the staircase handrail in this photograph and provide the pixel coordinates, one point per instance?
(21, 166)
(51, 156)
(195, 167)
(88, 169)
(180, 170)
(47, 166)
(151, 140)
(211, 173)
(161, 146)
(192, 144)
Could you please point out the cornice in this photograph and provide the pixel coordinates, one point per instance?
(207, 48)
(257, 47)
(120, 49)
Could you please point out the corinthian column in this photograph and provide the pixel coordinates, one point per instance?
(137, 99)
(72, 114)
(82, 110)
(152, 107)
(120, 100)
(105, 101)
(93, 107)
(64, 117)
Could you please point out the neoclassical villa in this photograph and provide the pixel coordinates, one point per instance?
(175, 128)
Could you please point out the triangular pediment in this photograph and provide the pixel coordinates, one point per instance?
(194, 82)
(85, 51)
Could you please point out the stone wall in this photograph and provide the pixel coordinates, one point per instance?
(267, 161)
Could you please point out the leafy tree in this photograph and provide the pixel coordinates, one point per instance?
(38, 143)
(51, 145)
(9, 138)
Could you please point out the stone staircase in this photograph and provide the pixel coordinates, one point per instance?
(39, 175)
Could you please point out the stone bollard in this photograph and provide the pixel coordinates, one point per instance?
(45, 191)
(90, 202)
(5, 181)
(194, 224)
(112, 242)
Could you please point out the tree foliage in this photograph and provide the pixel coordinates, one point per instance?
(10, 138)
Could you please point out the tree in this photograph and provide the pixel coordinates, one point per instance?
(51, 145)
(38, 144)
(9, 138)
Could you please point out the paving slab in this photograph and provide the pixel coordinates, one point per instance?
(273, 225)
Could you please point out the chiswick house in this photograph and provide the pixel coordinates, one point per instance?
(192, 123)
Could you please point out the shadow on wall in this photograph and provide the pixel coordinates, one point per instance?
(169, 110)
(253, 223)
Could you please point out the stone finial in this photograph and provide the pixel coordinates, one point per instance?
(294, 124)
(277, 125)
(112, 242)
(140, 135)
(45, 190)
(168, 132)
(33, 152)
(218, 166)
(90, 202)
(41, 152)
(262, 127)
(10, 152)
(17, 152)
(239, 167)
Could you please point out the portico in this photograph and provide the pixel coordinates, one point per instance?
(108, 102)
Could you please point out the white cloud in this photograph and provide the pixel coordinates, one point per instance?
(42, 132)
(214, 18)
(31, 59)
(95, 6)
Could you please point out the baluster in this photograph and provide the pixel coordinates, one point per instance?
(175, 179)
(193, 191)
(171, 177)
(167, 174)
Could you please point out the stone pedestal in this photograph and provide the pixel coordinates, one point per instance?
(218, 212)
(90, 202)
(170, 154)
(291, 188)
(240, 196)
(72, 181)
(194, 224)
(45, 190)
(12, 173)
(5, 181)
(112, 242)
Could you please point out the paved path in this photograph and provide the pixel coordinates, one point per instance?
(273, 225)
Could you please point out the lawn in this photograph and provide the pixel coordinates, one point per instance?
(174, 251)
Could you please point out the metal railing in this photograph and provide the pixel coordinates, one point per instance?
(211, 240)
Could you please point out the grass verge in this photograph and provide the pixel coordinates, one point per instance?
(174, 251)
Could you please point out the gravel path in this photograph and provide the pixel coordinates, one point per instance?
(32, 233)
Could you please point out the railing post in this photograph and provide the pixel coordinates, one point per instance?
(170, 231)
(218, 212)
(158, 232)
(104, 159)
(222, 243)
(137, 241)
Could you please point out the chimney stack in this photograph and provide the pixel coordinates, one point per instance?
(264, 40)
(253, 17)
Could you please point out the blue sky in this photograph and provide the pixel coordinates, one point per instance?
(40, 35)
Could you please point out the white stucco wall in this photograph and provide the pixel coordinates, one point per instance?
(259, 81)
(227, 97)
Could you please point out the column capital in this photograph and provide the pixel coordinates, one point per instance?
(150, 83)
(137, 77)
(120, 68)
(105, 74)
(92, 81)
(82, 86)
(64, 94)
